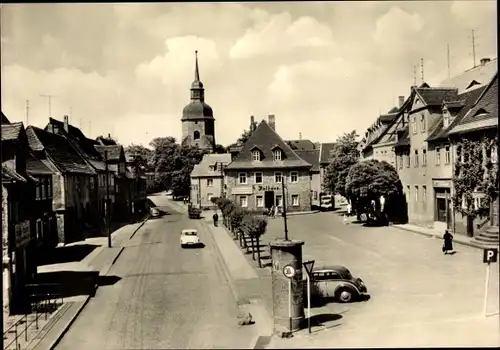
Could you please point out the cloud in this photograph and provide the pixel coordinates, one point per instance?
(280, 35)
(473, 13)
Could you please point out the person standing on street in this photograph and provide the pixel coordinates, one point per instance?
(448, 242)
(216, 218)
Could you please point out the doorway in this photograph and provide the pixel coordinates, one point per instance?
(268, 199)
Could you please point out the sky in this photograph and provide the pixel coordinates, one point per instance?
(322, 68)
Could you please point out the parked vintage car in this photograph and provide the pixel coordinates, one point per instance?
(189, 237)
(193, 212)
(337, 282)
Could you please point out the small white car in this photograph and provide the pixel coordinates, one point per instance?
(189, 237)
(154, 212)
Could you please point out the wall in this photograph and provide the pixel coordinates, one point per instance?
(188, 129)
(5, 223)
(302, 188)
(200, 188)
(385, 152)
(315, 187)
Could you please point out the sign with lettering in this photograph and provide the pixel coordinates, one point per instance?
(490, 255)
(22, 233)
(289, 271)
(441, 183)
(262, 188)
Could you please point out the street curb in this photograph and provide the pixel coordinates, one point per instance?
(302, 213)
(104, 272)
(66, 328)
(225, 269)
(138, 228)
(430, 235)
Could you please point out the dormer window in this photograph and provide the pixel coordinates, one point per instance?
(256, 155)
(277, 154)
(446, 118)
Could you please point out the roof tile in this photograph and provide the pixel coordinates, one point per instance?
(11, 132)
(326, 152)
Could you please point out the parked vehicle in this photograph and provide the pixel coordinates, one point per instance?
(337, 282)
(327, 202)
(155, 212)
(189, 237)
(193, 212)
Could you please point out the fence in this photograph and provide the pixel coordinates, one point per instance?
(44, 299)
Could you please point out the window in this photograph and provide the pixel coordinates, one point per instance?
(39, 229)
(278, 178)
(243, 201)
(242, 178)
(44, 189)
(437, 151)
(260, 201)
(415, 159)
(258, 177)
(447, 155)
(277, 154)
(400, 161)
(315, 195)
(424, 193)
(414, 124)
(294, 177)
(256, 155)
(422, 123)
(279, 200)
(210, 182)
(424, 157)
(407, 160)
(416, 193)
(196, 135)
(295, 200)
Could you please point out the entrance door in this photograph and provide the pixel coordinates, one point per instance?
(268, 199)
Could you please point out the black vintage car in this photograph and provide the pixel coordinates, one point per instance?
(193, 212)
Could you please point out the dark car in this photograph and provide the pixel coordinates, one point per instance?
(337, 282)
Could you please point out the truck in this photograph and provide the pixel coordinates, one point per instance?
(194, 212)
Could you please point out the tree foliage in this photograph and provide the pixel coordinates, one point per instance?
(475, 173)
(344, 155)
(246, 134)
(142, 155)
(173, 164)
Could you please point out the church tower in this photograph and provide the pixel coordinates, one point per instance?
(198, 123)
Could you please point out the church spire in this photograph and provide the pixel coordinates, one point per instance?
(197, 90)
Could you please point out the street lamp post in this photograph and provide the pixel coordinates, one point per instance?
(283, 196)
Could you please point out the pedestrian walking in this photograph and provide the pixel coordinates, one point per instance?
(448, 242)
(216, 219)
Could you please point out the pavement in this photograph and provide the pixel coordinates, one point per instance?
(419, 296)
(52, 328)
(163, 296)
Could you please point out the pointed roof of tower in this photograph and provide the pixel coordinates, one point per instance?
(197, 84)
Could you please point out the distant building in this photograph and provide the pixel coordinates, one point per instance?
(198, 123)
(254, 178)
(207, 179)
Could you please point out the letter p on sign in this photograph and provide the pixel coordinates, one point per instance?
(490, 255)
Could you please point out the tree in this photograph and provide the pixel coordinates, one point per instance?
(368, 180)
(345, 154)
(255, 226)
(142, 154)
(219, 149)
(236, 217)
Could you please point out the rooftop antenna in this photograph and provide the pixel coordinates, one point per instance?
(414, 75)
(27, 112)
(448, 59)
(473, 47)
(49, 98)
(422, 69)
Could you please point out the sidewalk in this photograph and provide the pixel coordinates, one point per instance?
(53, 328)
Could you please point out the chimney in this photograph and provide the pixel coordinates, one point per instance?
(271, 121)
(252, 123)
(109, 136)
(66, 123)
(401, 100)
(300, 136)
(484, 61)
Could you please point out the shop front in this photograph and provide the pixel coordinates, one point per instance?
(442, 205)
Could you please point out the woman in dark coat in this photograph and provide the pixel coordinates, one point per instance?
(448, 242)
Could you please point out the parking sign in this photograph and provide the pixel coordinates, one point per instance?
(490, 255)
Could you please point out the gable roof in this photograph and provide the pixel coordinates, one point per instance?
(466, 100)
(11, 175)
(265, 138)
(203, 168)
(483, 74)
(11, 132)
(72, 130)
(404, 140)
(310, 156)
(433, 97)
(5, 120)
(59, 150)
(483, 114)
(325, 152)
(35, 166)
(115, 152)
(303, 145)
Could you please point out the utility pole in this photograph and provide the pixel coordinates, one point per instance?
(284, 206)
(108, 210)
(448, 59)
(49, 98)
(414, 75)
(27, 112)
(473, 47)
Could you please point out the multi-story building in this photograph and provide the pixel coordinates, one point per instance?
(207, 179)
(254, 178)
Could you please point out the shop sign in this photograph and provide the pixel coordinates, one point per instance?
(262, 188)
(22, 233)
(441, 183)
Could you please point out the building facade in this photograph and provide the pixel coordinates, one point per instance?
(254, 178)
(207, 179)
(198, 123)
